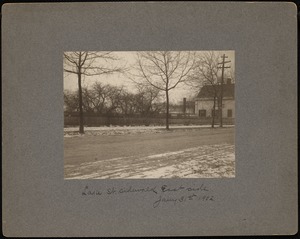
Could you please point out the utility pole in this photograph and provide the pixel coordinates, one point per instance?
(222, 82)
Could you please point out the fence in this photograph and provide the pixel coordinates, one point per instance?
(139, 121)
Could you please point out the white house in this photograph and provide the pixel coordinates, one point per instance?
(205, 100)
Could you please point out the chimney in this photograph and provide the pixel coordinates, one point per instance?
(184, 105)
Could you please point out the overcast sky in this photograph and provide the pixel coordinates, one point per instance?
(117, 79)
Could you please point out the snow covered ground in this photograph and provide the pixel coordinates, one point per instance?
(206, 161)
(122, 130)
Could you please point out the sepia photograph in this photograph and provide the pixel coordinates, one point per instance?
(125, 113)
(149, 114)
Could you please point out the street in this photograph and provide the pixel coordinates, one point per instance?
(183, 153)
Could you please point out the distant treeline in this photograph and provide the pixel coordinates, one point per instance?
(104, 99)
(107, 100)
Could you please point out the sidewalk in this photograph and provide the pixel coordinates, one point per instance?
(74, 129)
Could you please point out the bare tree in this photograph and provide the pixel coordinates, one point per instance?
(113, 99)
(70, 101)
(164, 70)
(88, 100)
(99, 94)
(127, 105)
(232, 75)
(85, 63)
(206, 73)
(147, 99)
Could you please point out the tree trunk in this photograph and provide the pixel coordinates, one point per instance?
(213, 115)
(221, 112)
(81, 130)
(167, 116)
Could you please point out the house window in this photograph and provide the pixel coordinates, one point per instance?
(202, 113)
(215, 113)
(229, 113)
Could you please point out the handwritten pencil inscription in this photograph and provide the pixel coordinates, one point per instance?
(162, 195)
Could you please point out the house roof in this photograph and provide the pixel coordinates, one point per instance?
(207, 91)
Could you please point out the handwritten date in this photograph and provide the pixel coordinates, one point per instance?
(181, 199)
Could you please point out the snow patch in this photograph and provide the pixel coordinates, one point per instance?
(209, 161)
